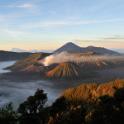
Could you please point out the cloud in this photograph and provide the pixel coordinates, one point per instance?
(13, 33)
(107, 38)
(19, 5)
(115, 37)
(63, 23)
(25, 5)
(7, 17)
(2, 18)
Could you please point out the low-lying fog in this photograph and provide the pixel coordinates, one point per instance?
(17, 92)
(4, 65)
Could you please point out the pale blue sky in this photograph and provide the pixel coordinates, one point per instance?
(47, 24)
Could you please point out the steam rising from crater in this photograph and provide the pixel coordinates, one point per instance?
(79, 58)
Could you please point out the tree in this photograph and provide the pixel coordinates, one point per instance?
(32, 109)
(8, 115)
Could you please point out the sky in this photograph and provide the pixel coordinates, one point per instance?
(48, 24)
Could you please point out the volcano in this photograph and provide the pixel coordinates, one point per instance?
(64, 70)
(69, 47)
(73, 48)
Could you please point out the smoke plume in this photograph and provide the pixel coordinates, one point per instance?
(79, 58)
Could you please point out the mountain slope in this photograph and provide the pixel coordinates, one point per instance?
(69, 47)
(91, 91)
(64, 70)
(72, 48)
(100, 50)
(29, 64)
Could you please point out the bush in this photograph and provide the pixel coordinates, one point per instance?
(8, 115)
(32, 110)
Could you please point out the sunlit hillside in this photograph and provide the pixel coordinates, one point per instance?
(91, 91)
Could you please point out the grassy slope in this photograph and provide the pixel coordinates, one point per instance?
(91, 91)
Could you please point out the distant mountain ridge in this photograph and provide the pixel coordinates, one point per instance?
(18, 50)
(73, 48)
(10, 56)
